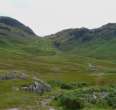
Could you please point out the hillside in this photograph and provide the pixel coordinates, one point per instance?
(100, 42)
(65, 46)
(76, 68)
(68, 51)
(20, 39)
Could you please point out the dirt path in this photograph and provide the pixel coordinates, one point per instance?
(13, 109)
(45, 104)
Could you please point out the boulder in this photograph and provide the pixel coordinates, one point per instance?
(12, 75)
(38, 87)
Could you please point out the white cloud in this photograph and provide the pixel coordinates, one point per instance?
(49, 16)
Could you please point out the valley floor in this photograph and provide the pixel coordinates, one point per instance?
(64, 69)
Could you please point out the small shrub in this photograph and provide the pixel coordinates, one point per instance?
(111, 99)
(68, 86)
(71, 102)
(55, 83)
(82, 97)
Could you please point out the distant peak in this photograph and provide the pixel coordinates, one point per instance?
(10, 21)
(109, 25)
(15, 23)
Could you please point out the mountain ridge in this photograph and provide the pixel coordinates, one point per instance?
(99, 42)
(15, 23)
(87, 41)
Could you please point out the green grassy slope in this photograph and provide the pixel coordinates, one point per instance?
(66, 53)
(71, 55)
(99, 43)
(18, 39)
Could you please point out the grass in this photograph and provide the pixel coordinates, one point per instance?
(47, 67)
(38, 58)
(12, 97)
(58, 67)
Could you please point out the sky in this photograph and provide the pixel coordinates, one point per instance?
(50, 16)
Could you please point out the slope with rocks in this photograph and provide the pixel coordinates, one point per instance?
(100, 42)
(17, 38)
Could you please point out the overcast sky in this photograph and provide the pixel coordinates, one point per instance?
(49, 16)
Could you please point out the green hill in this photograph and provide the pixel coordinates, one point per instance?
(68, 51)
(18, 38)
(100, 42)
(97, 43)
(74, 59)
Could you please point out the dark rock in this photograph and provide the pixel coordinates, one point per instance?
(38, 87)
(13, 75)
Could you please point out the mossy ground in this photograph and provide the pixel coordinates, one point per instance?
(58, 67)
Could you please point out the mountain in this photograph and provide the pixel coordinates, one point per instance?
(12, 31)
(100, 42)
(16, 38)
(13, 23)
(85, 58)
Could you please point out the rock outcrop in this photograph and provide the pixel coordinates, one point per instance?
(13, 75)
(38, 87)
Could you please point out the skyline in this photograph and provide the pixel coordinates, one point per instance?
(48, 17)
